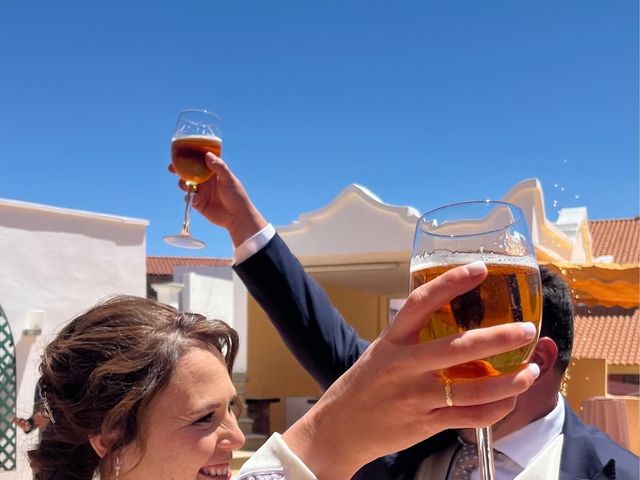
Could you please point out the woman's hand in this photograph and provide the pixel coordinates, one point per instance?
(393, 397)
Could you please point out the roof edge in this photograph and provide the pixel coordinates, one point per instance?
(72, 212)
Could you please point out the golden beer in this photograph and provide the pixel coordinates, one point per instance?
(510, 293)
(188, 157)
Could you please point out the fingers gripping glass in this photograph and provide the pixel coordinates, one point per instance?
(497, 233)
(197, 133)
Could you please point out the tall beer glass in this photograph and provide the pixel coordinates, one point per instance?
(197, 132)
(497, 233)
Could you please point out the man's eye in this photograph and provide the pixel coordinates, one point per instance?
(206, 419)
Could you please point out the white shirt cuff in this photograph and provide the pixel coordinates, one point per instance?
(275, 461)
(254, 244)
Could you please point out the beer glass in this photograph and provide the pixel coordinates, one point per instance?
(197, 132)
(495, 232)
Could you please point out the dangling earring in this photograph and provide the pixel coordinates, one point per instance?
(117, 467)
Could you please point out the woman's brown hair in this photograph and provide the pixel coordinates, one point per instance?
(102, 370)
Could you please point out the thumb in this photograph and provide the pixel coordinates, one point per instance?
(220, 169)
(428, 298)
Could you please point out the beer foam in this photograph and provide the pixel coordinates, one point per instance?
(441, 258)
(200, 138)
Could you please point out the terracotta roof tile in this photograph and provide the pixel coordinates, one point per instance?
(164, 265)
(620, 238)
(614, 336)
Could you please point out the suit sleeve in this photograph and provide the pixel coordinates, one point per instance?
(300, 310)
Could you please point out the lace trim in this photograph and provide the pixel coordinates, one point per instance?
(273, 474)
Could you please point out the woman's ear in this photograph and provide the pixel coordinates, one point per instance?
(98, 444)
(545, 354)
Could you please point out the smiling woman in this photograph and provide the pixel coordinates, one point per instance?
(137, 390)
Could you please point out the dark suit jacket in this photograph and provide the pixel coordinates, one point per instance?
(327, 346)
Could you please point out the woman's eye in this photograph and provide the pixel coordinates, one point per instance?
(206, 419)
(235, 407)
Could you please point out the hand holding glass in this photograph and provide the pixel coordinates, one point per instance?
(497, 233)
(197, 133)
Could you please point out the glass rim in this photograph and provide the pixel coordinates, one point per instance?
(518, 213)
(215, 122)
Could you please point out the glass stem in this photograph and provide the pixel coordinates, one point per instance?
(187, 210)
(485, 453)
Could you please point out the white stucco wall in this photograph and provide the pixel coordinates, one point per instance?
(216, 292)
(60, 261)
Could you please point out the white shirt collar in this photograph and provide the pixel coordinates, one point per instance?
(523, 445)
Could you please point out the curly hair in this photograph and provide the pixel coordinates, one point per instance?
(101, 372)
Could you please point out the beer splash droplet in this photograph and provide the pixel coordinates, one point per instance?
(565, 382)
(576, 197)
(555, 203)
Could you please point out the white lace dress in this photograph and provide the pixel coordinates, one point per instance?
(275, 461)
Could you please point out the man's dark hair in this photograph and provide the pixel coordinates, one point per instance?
(557, 315)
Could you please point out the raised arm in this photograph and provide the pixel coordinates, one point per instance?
(298, 307)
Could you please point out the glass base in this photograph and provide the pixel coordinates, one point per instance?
(184, 241)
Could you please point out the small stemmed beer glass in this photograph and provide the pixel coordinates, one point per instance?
(197, 132)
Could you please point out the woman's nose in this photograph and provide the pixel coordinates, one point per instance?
(233, 439)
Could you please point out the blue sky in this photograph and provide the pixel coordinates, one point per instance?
(423, 102)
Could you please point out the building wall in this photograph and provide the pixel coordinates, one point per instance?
(273, 372)
(62, 262)
(216, 292)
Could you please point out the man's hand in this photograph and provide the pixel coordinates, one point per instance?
(224, 202)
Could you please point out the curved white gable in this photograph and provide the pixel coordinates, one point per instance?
(550, 241)
(355, 227)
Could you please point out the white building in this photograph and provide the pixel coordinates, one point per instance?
(55, 263)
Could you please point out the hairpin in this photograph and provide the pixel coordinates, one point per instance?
(47, 407)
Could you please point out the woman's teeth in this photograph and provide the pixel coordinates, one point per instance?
(215, 471)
